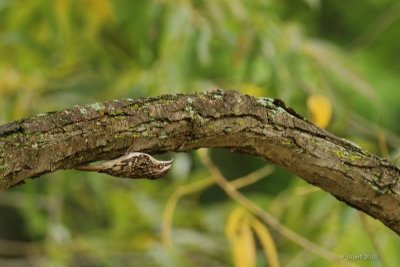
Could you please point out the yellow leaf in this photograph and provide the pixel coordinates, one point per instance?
(320, 109)
(245, 250)
(241, 239)
(232, 223)
(267, 242)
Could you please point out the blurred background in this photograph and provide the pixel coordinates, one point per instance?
(336, 62)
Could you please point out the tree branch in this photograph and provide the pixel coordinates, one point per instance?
(262, 127)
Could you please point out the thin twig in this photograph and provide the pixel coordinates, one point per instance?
(378, 26)
(171, 205)
(198, 186)
(370, 128)
(265, 216)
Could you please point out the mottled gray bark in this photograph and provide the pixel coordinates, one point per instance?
(261, 127)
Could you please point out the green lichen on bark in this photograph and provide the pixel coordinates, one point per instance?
(347, 155)
(97, 106)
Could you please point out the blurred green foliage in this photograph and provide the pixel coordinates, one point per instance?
(55, 54)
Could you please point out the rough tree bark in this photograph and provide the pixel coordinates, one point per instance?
(262, 127)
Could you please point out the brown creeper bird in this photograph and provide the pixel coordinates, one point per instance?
(132, 165)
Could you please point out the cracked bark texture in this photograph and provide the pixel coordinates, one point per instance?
(262, 127)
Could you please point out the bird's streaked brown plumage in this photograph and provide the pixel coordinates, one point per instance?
(132, 165)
